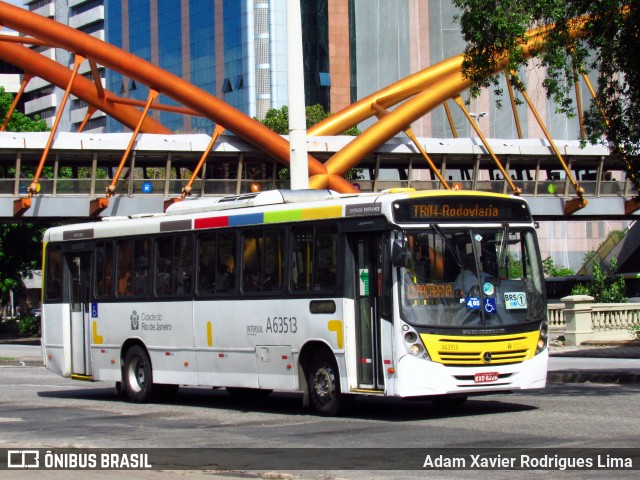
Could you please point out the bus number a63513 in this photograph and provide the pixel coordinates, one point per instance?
(282, 325)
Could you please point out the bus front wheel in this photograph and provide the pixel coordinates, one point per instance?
(137, 375)
(324, 385)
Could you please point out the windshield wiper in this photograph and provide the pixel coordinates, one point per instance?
(450, 246)
(504, 246)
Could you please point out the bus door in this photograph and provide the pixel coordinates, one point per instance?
(78, 266)
(369, 325)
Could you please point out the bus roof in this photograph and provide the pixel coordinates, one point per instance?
(269, 207)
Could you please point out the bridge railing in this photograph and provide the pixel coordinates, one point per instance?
(79, 164)
(582, 320)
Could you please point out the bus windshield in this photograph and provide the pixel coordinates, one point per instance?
(474, 277)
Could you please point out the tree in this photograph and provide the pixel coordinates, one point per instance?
(20, 254)
(20, 243)
(277, 119)
(605, 286)
(553, 270)
(610, 47)
(19, 121)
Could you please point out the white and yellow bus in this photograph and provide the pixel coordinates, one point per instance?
(407, 294)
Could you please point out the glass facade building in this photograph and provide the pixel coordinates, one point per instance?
(236, 50)
(42, 98)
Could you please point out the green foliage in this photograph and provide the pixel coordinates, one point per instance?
(581, 289)
(277, 119)
(29, 325)
(20, 243)
(20, 253)
(19, 121)
(605, 286)
(514, 268)
(634, 330)
(494, 29)
(551, 270)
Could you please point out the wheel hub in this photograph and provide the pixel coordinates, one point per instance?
(324, 384)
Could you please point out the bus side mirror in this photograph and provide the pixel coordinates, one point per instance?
(399, 253)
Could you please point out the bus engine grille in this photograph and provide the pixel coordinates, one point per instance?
(481, 350)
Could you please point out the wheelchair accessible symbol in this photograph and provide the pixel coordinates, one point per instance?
(490, 305)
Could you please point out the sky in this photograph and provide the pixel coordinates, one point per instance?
(17, 3)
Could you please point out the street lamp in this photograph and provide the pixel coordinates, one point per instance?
(477, 116)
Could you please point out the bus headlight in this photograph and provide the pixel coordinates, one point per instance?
(410, 337)
(415, 349)
(413, 344)
(543, 338)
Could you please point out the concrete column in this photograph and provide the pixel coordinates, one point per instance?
(577, 315)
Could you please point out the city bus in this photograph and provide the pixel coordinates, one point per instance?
(332, 295)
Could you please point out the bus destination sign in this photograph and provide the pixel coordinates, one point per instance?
(456, 209)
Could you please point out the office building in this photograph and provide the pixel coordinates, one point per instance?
(41, 98)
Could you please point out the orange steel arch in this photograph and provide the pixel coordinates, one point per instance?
(421, 93)
(414, 96)
(135, 68)
(45, 68)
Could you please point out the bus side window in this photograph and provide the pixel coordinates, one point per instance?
(262, 260)
(53, 279)
(174, 265)
(125, 268)
(141, 271)
(225, 262)
(104, 269)
(164, 255)
(183, 260)
(206, 263)
(216, 263)
(326, 262)
(313, 258)
(273, 260)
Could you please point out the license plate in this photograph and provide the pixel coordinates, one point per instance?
(486, 377)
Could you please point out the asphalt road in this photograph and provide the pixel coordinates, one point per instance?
(40, 409)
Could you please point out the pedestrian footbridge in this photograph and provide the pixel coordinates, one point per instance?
(80, 167)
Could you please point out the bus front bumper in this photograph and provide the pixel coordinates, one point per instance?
(419, 377)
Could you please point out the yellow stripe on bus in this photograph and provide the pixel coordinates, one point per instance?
(336, 326)
(97, 339)
(322, 212)
(209, 334)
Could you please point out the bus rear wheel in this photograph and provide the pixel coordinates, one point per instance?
(137, 375)
(324, 385)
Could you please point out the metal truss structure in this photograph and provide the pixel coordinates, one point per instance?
(410, 98)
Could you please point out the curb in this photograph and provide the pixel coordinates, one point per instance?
(24, 362)
(622, 377)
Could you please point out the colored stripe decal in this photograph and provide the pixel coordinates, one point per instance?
(324, 212)
(249, 219)
(175, 225)
(269, 217)
(285, 216)
(211, 222)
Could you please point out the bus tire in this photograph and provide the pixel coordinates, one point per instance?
(324, 385)
(137, 375)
